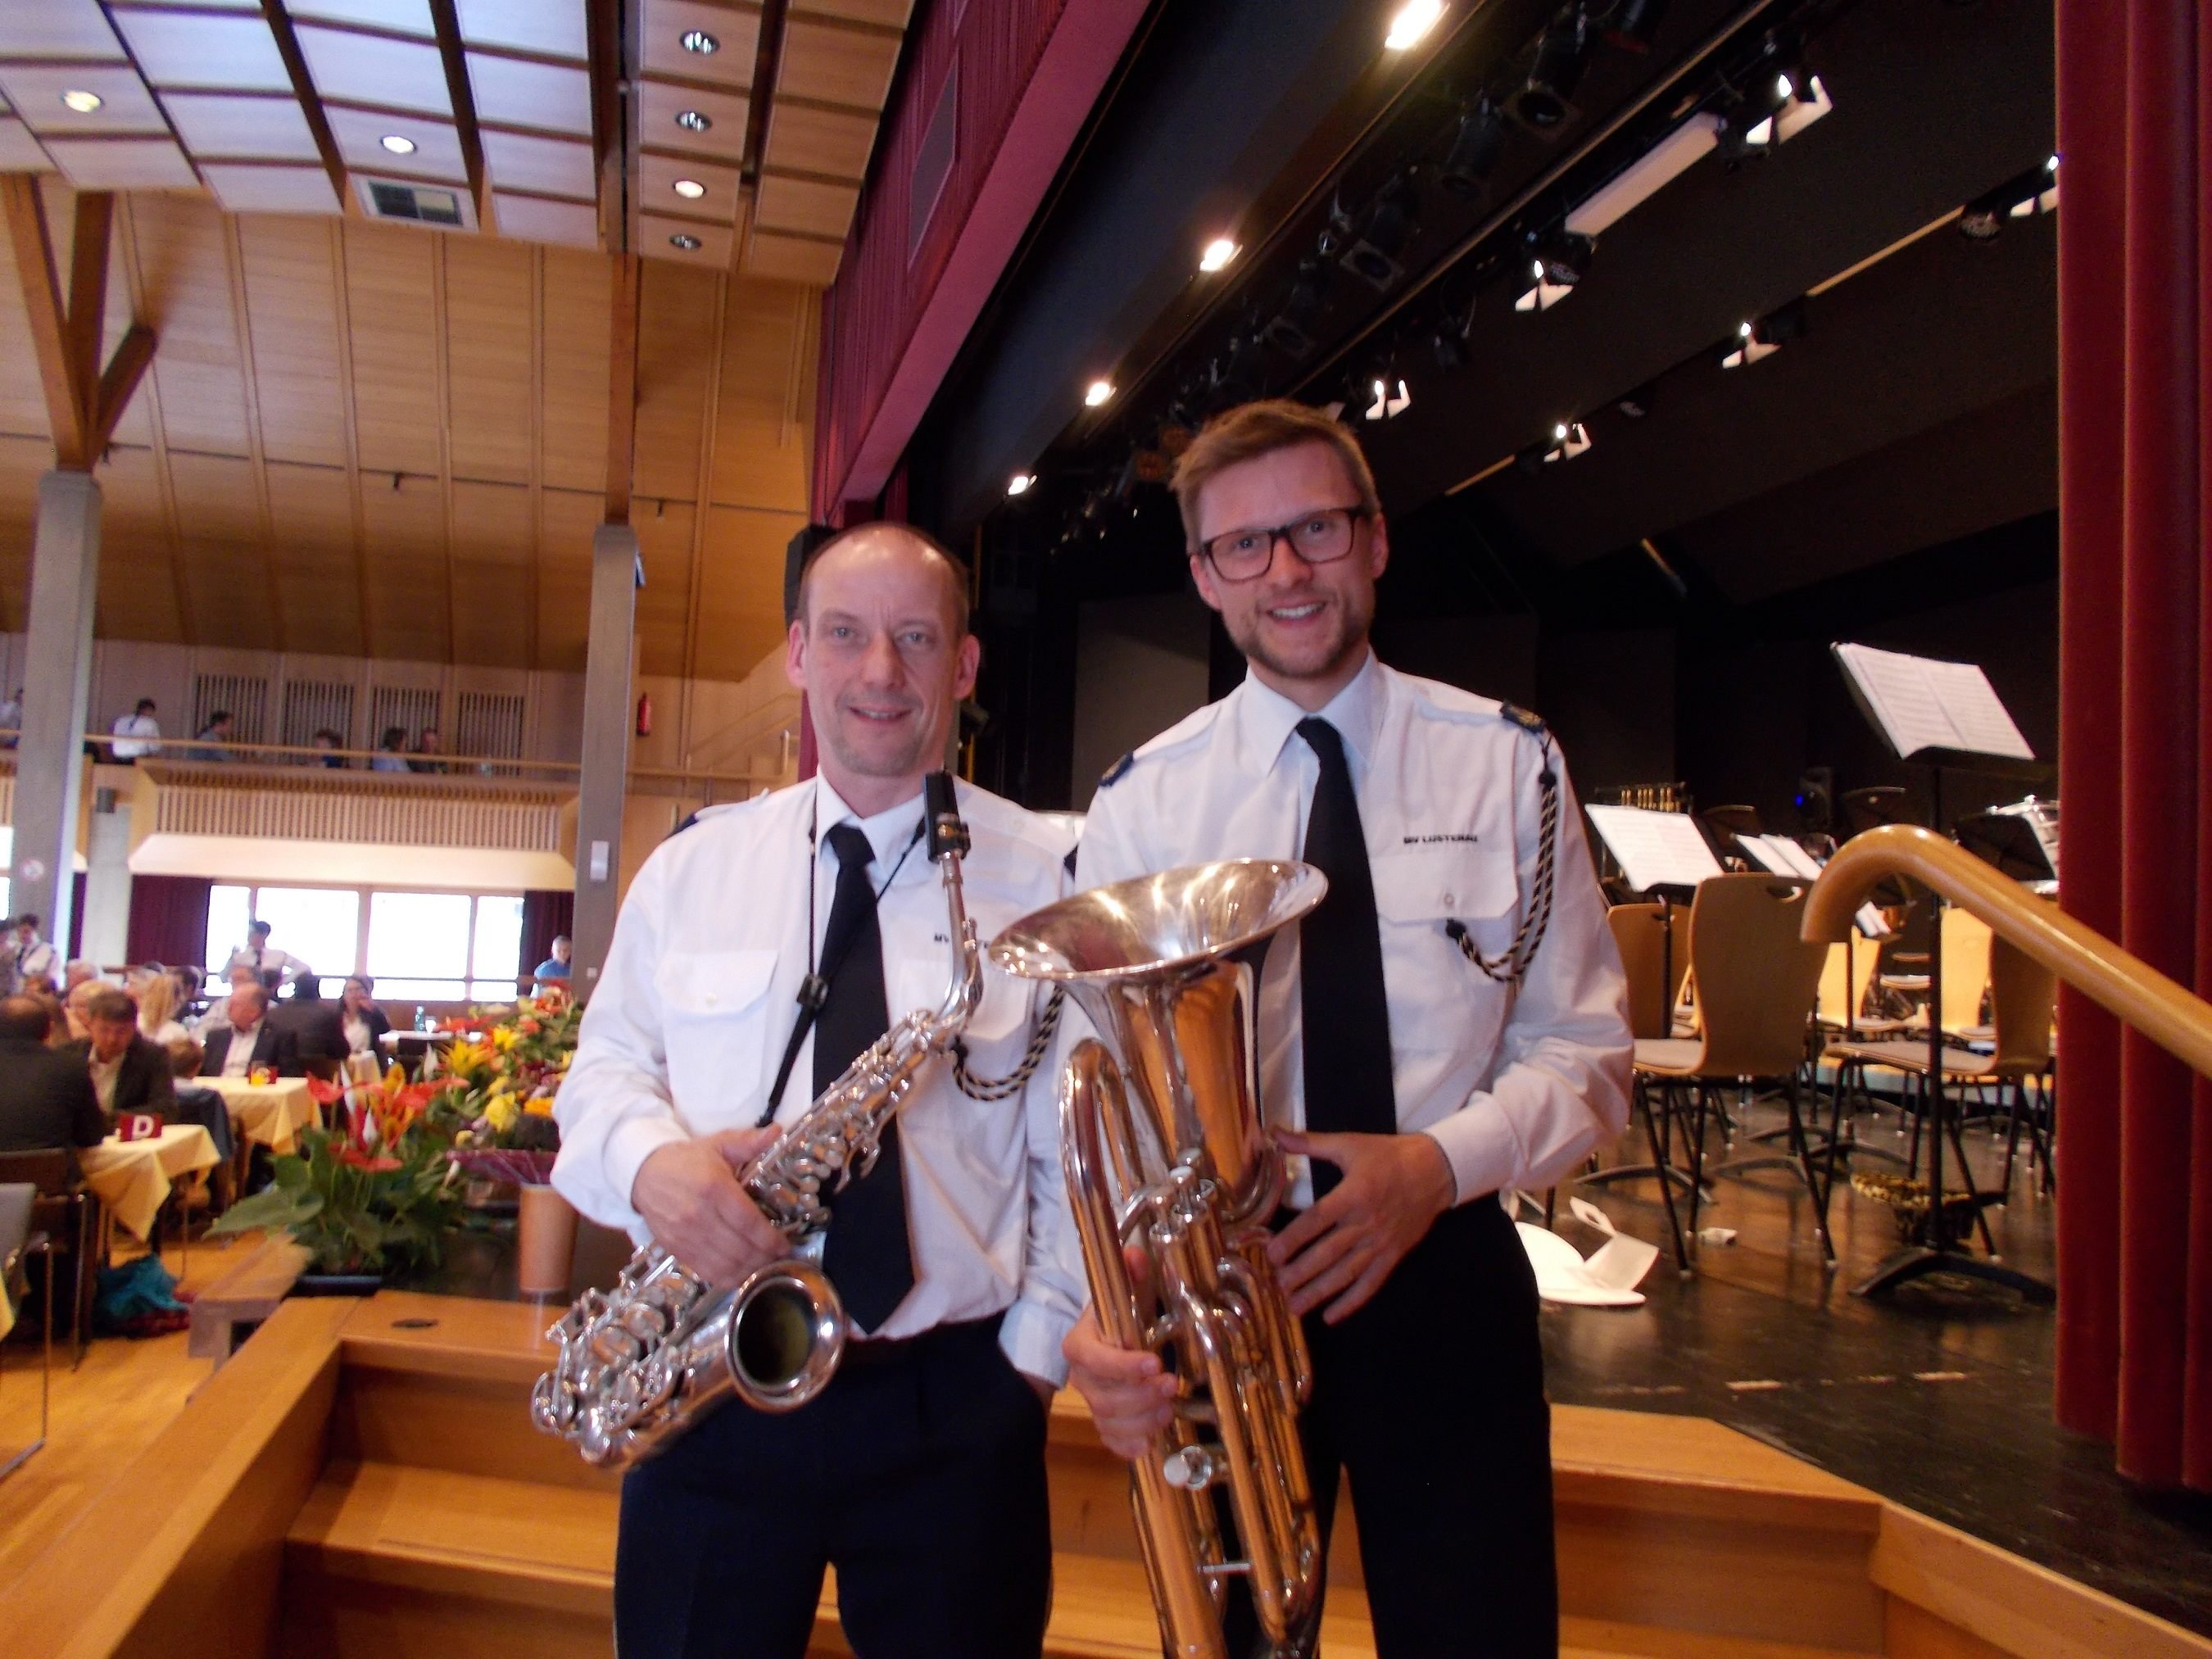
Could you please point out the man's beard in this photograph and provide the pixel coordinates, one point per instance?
(1350, 637)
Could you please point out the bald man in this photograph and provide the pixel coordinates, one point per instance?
(919, 1472)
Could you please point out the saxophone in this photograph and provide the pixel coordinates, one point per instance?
(639, 1364)
(1163, 1150)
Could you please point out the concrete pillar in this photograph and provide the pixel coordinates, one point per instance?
(617, 574)
(107, 882)
(57, 691)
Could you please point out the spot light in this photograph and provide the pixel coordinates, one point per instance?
(1556, 265)
(1561, 53)
(2023, 197)
(1390, 225)
(684, 242)
(1097, 393)
(1569, 440)
(689, 189)
(1391, 397)
(692, 120)
(1473, 152)
(1020, 483)
(398, 143)
(1217, 254)
(1411, 22)
(700, 41)
(80, 101)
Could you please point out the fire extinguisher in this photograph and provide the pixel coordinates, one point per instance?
(645, 715)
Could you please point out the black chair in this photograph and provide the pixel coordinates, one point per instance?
(19, 1240)
(68, 1215)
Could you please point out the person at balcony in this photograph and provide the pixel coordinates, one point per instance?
(269, 966)
(428, 749)
(390, 751)
(46, 1096)
(129, 1072)
(555, 966)
(247, 1039)
(134, 734)
(209, 744)
(11, 720)
(26, 954)
(329, 741)
(362, 1018)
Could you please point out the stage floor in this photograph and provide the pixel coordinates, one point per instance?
(1938, 1398)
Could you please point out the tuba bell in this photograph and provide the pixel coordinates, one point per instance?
(1164, 1149)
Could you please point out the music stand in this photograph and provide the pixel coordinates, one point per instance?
(2008, 842)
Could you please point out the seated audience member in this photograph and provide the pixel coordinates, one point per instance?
(78, 973)
(195, 1102)
(218, 1010)
(136, 733)
(361, 1017)
(210, 745)
(555, 966)
(328, 741)
(46, 1096)
(74, 1003)
(246, 1039)
(390, 751)
(158, 1000)
(130, 1073)
(428, 749)
(314, 1025)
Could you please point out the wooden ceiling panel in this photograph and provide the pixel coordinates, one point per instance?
(836, 63)
(801, 139)
(23, 399)
(317, 565)
(685, 241)
(22, 461)
(177, 49)
(675, 335)
(291, 310)
(229, 125)
(184, 266)
(741, 589)
(488, 358)
(369, 68)
(540, 219)
(126, 105)
(664, 604)
(794, 259)
(137, 556)
(404, 16)
(887, 14)
(658, 177)
(147, 163)
(392, 309)
(567, 520)
(806, 206)
(257, 188)
(735, 31)
(494, 557)
(555, 28)
(19, 150)
(764, 416)
(578, 301)
(659, 105)
(360, 134)
(548, 167)
(511, 92)
(57, 29)
(408, 592)
(135, 426)
(227, 595)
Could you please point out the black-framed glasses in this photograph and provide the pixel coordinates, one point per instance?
(1321, 536)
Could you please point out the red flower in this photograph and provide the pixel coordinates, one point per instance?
(351, 1154)
(326, 1094)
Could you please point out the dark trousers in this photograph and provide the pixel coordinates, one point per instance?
(1430, 1398)
(918, 1474)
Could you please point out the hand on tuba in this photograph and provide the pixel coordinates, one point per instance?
(689, 1194)
(1131, 1397)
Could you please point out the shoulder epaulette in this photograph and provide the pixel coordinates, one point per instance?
(1113, 774)
(1531, 723)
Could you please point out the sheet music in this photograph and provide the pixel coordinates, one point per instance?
(1785, 857)
(1655, 849)
(1922, 703)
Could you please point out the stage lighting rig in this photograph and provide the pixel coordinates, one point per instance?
(1389, 225)
(1383, 393)
(1291, 329)
(1555, 266)
(1562, 53)
(2029, 193)
(1567, 440)
(1634, 23)
(1474, 150)
(1763, 337)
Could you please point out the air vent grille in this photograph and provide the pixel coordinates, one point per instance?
(244, 697)
(489, 723)
(421, 204)
(312, 706)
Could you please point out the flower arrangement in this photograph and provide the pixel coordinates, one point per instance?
(499, 1081)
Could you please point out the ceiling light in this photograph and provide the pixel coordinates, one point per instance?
(689, 189)
(1020, 483)
(1414, 20)
(2023, 197)
(1217, 254)
(398, 143)
(700, 41)
(1809, 105)
(1391, 398)
(687, 244)
(1553, 78)
(1097, 392)
(1764, 336)
(1569, 440)
(692, 120)
(83, 102)
(1657, 168)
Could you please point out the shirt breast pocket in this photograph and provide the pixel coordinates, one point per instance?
(715, 1010)
(1438, 998)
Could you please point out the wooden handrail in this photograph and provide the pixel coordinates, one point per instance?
(2124, 985)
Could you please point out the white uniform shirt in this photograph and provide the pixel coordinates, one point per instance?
(267, 960)
(238, 1059)
(1516, 1084)
(683, 1035)
(135, 735)
(36, 957)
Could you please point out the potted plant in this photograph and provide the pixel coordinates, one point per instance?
(498, 1101)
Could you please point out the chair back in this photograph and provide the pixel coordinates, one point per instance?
(1845, 977)
(1756, 978)
(16, 1199)
(1640, 931)
(2021, 990)
(50, 1170)
(1966, 967)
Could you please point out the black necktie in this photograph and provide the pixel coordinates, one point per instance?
(1343, 1011)
(866, 1252)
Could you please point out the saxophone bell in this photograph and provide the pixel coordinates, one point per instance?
(787, 1336)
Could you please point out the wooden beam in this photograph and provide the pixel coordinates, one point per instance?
(621, 388)
(446, 20)
(124, 370)
(42, 299)
(88, 304)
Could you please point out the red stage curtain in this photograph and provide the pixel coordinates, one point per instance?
(168, 920)
(2134, 1149)
(547, 912)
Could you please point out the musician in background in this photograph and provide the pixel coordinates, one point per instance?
(919, 1472)
(1428, 1038)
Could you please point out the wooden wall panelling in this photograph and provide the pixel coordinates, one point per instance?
(488, 353)
(22, 399)
(312, 508)
(183, 274)
(555, 728)
(21, 460)
(696, 564)
(124, 671)
(392, 317)
(226, 594)
(765, 415)
(664, 543)
(564, 575)
(578, 294)
(493, 554)
(149, 398)
(235, 268)
(136, 424)
(291, 293)
(137, 595)
(675, 321)
(404, 529)
(740, 608)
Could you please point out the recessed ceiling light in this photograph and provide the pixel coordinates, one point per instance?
(83, 102)
(700, 41)
(692, 120)
(1097, 392)
(1219, 252)
(1414, 20)
(689, 244)
(1019, 483)
(397, 144)
(689, 189)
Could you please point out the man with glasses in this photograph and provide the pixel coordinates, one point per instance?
(1448, 1024)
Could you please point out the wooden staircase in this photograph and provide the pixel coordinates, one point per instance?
(362, 1479)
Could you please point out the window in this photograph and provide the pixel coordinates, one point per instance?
(418, 945)
(498, 946)
(321, 925)
(229, 908)
(427, 947)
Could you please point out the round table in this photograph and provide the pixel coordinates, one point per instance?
(267, 1114)
(133, 1178)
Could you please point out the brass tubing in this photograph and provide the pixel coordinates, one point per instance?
(2124, 985)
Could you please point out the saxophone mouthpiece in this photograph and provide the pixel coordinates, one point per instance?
(948, 833)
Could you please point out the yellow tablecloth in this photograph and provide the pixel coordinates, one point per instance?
(267, 1114)
(133, 1178)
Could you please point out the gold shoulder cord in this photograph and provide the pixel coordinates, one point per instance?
(1513, 964)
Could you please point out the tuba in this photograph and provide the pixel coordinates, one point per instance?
(639, 1364)
(1164, 1149)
